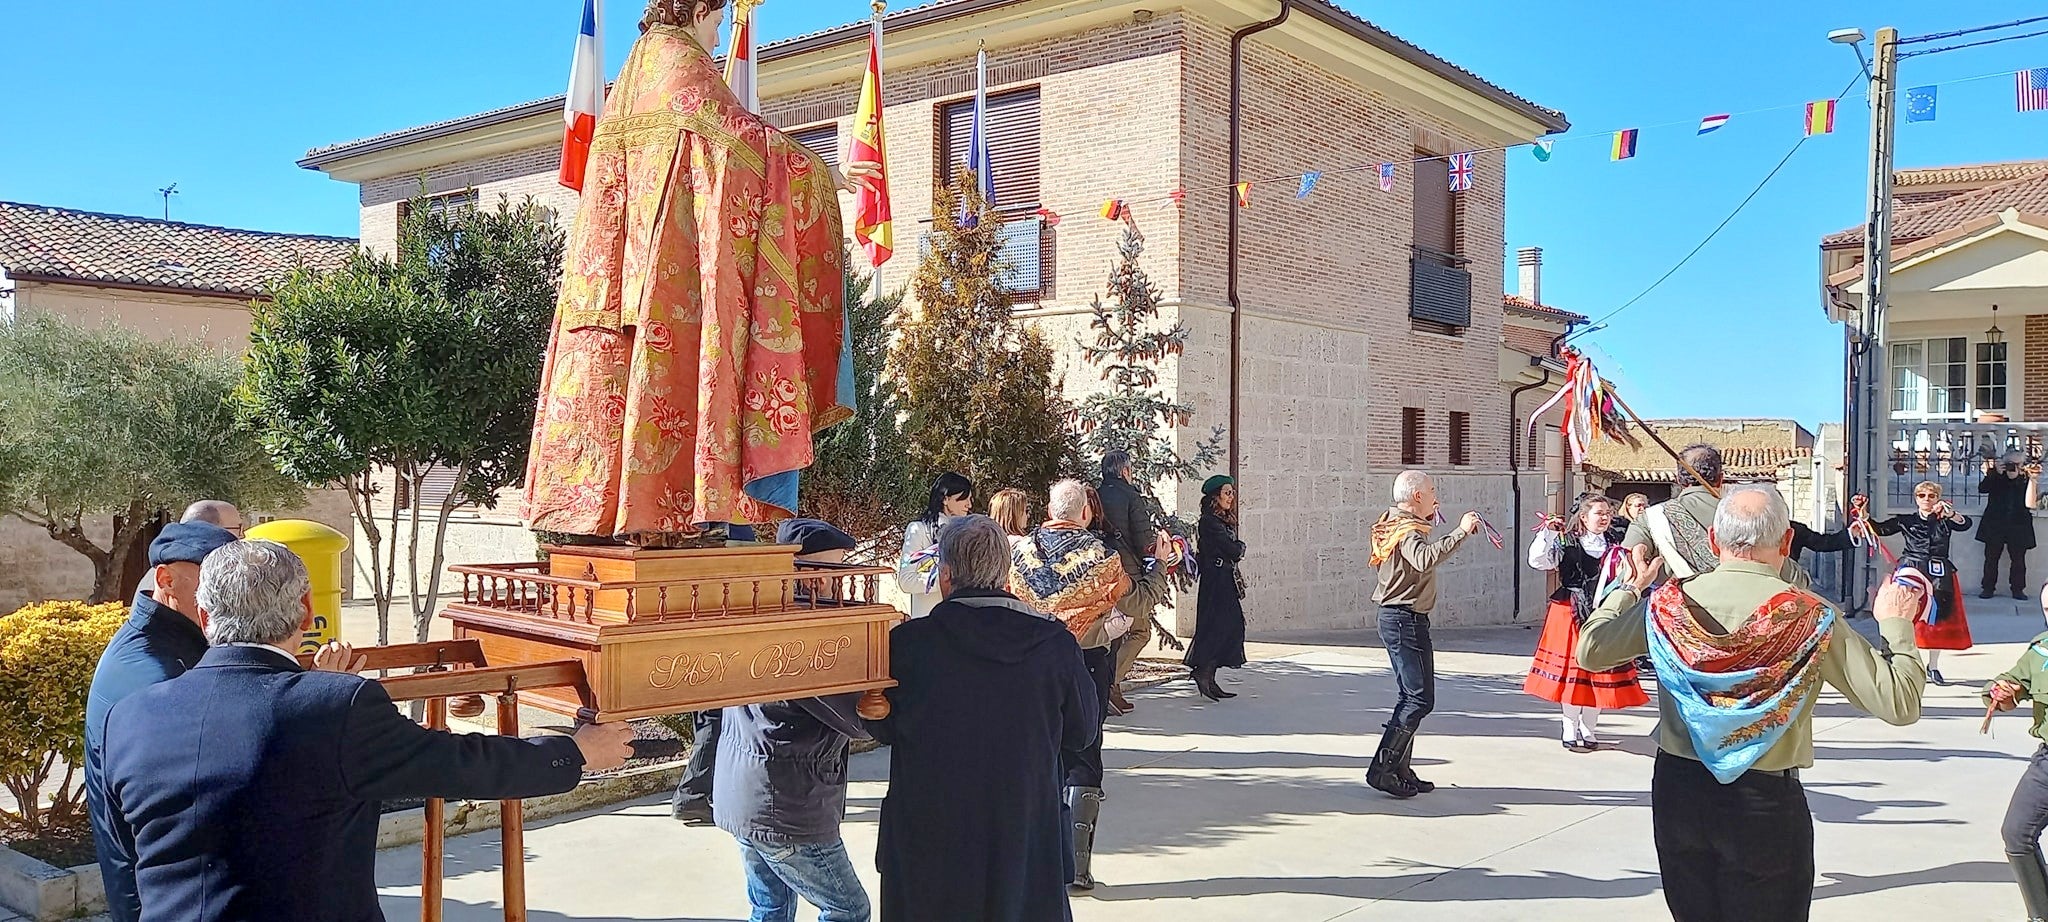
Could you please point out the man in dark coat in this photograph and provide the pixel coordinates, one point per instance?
(2011, 490)
(988, 693)
(247, 788)
(159, 641)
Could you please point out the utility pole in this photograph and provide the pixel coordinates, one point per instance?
(1877, 258)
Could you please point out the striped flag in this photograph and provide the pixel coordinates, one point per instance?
(977, 144)
(586, 96)
(1386, 177)
(1114, 209)
(872, 225)
(2032, 89)
(1244, 195)
(1820, 117)
(1625, 143)
(1712, 123)
(739, 62)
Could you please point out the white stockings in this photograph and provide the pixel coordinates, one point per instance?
(1581, 723)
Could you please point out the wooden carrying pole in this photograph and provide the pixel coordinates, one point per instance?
(435, 686)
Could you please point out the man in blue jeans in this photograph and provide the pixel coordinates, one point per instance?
(779, 784)
(1407, 561)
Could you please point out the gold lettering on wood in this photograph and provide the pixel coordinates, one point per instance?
(690, 669)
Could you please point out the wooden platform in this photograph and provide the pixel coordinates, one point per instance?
(668, 631)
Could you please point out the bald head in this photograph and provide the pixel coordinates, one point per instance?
(215, 512)
(1752, 523)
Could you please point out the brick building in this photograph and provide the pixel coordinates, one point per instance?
(163, 278)
(1369, 325)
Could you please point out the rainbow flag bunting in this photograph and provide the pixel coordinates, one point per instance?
(1820, 117)
(1625, 143)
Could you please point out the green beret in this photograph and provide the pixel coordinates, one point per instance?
(1215, 485)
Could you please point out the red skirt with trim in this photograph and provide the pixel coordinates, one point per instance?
(1951, 629)
(1555, 675)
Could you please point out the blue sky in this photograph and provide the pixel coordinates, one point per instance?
(110, 102)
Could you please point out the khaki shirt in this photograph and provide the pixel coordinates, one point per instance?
(1885, 685)
(2031, 674)
(1408, 577)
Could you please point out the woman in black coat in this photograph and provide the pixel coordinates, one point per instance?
(2011, 488)
(1219, 604)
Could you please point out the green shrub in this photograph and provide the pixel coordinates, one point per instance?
(47, 655)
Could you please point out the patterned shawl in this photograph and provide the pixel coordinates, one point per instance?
(1738, 693)
(1681, 539)
(1066, 570)
(1394, 527)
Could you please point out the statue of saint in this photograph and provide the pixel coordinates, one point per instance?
(697, 343)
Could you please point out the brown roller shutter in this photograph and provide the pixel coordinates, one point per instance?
(823, 140)
(1013, 145)
(1435, 223)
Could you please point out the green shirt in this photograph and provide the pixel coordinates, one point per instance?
(1885, 685)
(2030, 673)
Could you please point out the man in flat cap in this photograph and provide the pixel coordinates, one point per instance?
(160, 640)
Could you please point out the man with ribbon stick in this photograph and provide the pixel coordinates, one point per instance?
(2027, 681)
(1741, 653)
(697, 344)
(1407, 560)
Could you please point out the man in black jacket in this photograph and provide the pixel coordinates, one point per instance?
(1128, 512)
(247, 788)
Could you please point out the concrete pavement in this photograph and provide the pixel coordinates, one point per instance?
(1255, 808)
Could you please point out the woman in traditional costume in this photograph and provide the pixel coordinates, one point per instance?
(697, 343)
(1219, 597)
(1927, 531)
(1586, 553)
(917, 572)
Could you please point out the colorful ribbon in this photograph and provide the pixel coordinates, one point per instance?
(1862, 534)
(1589, 408)
(1492, 535)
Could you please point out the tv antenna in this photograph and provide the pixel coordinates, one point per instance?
(167, 192)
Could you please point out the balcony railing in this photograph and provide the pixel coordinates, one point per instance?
(1952, 454)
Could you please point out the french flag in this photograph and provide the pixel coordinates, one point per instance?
(586, 96)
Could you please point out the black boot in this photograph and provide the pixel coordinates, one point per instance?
(1205, 682)
(1407, 773)
(2033, 880)
(1216, 688)
(1086, 803)
(1385, 772)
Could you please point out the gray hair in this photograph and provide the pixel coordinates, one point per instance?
(1408, 485)
(253, 592)
(1742, 524)
(974, 552)
(1069, 501)
(212, 512)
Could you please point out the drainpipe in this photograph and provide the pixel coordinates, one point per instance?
(1515, 474)
(1230, 259)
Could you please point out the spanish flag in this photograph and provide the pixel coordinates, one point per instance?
(1820, 117)
(1113, 209)
(872, 226)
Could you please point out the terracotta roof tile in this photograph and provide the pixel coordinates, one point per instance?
(1545, 311)
(1980, 173)
(1750, 449)
(2028, 195)
(62, 243)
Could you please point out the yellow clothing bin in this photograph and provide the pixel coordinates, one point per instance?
(321, 548)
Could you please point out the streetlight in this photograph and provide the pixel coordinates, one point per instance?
(1854, 39)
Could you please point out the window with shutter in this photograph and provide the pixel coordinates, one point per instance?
(1439, 287)
(1411, 435)
(823, 140)
(434, 489)
(1013, 145)
(1024, 257)
(1461, 437)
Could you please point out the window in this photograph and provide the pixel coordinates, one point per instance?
(823, 140)
(1411, 435)
(434, 489)
(1990, 376)
(1461, 436)
(1012, 146)
(1439, 288)
(1930, 377)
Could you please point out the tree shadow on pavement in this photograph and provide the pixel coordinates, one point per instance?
(408, 907)
(1427, 885)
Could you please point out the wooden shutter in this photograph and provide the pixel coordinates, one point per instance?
(434, 488)
(1436, 226)
(1013, 145)
(1411, 435)
(1461, 438)
(823, 140)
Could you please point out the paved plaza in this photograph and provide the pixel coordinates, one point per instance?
(1255, 808)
